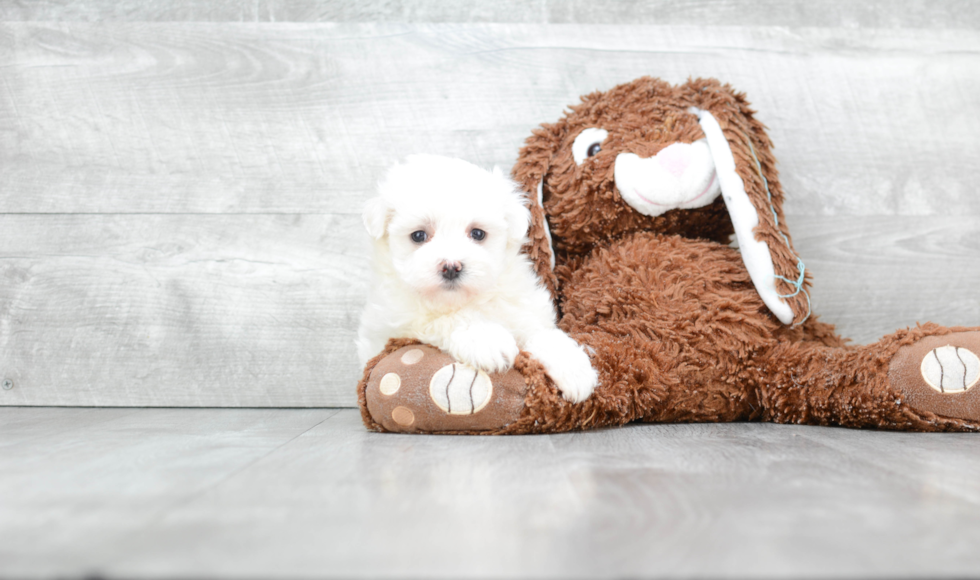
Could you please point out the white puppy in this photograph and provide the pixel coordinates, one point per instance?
(449, 272)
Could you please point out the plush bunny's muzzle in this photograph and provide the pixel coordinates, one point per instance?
(679, 176)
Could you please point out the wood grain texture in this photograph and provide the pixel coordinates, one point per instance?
(875, 275)
(249, 311)
(80, 483)
(790, 13)
(302, 494)
(200, 311)
(296, 118)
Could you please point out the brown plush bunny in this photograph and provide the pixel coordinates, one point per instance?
(634, 196)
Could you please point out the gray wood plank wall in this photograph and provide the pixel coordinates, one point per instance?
(179, 191)
(793, 13)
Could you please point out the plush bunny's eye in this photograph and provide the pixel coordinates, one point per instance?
(588, 143)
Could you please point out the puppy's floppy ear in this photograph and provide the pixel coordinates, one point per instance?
(754, 198)
(375, 217)
(518, 217)
(518, 220)
(530, 172)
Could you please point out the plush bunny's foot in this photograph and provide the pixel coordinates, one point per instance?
(940, 375)
(418, 388)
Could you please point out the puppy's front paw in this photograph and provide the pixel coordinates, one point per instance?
(566, 362)
(579, 380)
(488, 347)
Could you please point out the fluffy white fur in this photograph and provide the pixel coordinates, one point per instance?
(495, 306)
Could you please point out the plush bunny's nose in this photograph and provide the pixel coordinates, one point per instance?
(681, 175)
(674, 159)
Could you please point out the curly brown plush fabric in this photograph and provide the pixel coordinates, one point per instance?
(674, 323)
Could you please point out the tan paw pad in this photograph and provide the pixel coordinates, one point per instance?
(403, 416)
(412, 356)
(460, 389)
(950, 369)
(390, 383)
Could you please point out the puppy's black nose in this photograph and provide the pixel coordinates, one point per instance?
(451, 270)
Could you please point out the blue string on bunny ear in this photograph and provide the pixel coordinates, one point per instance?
(798, 283)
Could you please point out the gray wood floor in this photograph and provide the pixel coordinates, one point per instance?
(309, 493)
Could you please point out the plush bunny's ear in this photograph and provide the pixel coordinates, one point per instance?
(530, 172)
(750, 187)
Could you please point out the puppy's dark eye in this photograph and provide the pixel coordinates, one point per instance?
(478, 234)
(419, 236)
(593, 149)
